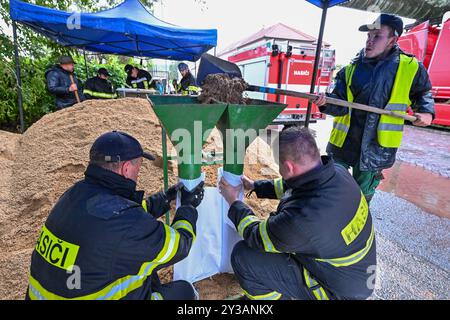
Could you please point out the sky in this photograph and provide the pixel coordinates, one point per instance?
(236, 19)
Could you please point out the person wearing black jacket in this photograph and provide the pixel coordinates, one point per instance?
(102, 239)
(188, 83)
(320, 242)
(60, 85)
(99, 87)
(385, 77)
(137, 78)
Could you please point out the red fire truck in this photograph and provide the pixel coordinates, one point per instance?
(430, 44)
(283, 57)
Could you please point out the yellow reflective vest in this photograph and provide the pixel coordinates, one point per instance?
(390, 129)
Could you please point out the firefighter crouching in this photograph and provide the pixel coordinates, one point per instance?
(99, 87)
(319, 244)
(102, 239)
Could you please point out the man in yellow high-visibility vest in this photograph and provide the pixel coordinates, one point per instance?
(382, 76)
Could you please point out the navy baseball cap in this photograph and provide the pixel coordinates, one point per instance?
(393, 21)
(116, 146)
(128, 68)
(183, 66)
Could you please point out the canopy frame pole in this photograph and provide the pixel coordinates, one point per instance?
(165, 166)
(85, 63)
(317, 58)
(18, 77)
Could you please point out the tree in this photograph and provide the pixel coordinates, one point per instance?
(37, 53)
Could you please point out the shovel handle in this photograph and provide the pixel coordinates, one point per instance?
(334, 101)
(76, 91)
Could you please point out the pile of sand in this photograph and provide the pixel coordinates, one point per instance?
(40, 165)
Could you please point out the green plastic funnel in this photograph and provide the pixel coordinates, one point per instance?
(245, 121)
(186, 121)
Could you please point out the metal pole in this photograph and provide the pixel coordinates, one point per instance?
(165, 166)
(316, 61)
(85, 64)
(19, 80)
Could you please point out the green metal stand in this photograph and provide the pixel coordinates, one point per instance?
(165, 166)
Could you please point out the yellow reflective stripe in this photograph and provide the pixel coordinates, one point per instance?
(121, 287)
(186, 225)
(320, 294)
(341, 125)
(356, 225)
(193, 88)
(311, 283)
(279, 189)
(170, 245)
(390, 129)
(55, 251)
(269, 296)
(268, 245)
(156, 296)
(100, 94)
(349, 71)
(244, 223)
(144, 205)
(354, 258)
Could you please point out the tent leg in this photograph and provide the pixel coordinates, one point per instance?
(165, 166)
(316, 61)
(85, 64)
(18, 77)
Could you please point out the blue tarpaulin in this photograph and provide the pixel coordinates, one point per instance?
(128, 29)
(331, 3)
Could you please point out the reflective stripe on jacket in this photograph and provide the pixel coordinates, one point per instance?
(99, 243)
(97, 88)
(323, 222)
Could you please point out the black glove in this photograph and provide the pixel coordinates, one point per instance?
(194, 197)
(171, 193)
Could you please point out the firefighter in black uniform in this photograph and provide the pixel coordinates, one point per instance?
(99, 87)
(102, 240)
(319, 244)
(188, 84)
(137, 78)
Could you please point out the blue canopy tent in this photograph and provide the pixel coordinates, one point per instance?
(324, 4)
(128, 29)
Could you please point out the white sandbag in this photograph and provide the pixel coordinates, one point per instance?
(216, 237)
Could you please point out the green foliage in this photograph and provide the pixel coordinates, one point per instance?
(36, 102)
(113, 64)
(37, 53)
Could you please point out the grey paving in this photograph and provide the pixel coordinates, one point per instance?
(413, 250)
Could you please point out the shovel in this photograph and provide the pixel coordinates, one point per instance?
(72, 81)
(212, 65)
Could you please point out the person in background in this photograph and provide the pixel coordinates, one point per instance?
(99, 87)
(188, 84)
(59, 83)
(137, 78)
